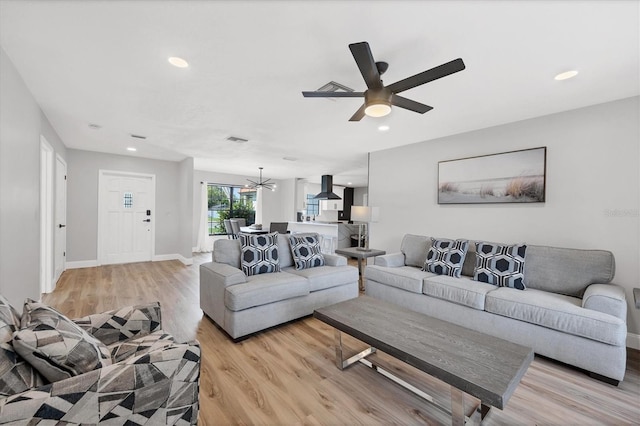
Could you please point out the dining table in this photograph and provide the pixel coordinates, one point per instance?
(254, 231)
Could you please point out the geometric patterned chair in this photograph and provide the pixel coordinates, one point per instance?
(149, 379)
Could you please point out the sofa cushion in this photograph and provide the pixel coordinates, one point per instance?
(16, 375)
(259, 253)
(140, 345)
(56, 346)
(446, 257)
(500, 265)
(284, 251)
(306, 251)
(323, 277)
(404, 277)
(558, 312)
(415, 249)
(567, 271)
(463, 291)
(264, 289)
(227, 251)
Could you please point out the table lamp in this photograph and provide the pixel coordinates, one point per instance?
(364, 215)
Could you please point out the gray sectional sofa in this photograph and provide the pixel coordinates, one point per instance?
(569, 310)
(242, 305)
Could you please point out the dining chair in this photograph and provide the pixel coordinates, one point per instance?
(242, 222)
(228, 229)
(235, 227)
(279, 227)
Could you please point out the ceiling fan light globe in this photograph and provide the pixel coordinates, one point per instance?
(377, 110)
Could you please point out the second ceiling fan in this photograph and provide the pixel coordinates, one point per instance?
(378, 98)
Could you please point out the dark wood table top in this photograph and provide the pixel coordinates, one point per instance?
(486, 367)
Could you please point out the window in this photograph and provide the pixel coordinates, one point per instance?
(313, 205)
(225, 202)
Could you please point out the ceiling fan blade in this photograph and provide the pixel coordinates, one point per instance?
(359, 114)
(405, 103)
(427, 76)
(362, 54)
(333, 94)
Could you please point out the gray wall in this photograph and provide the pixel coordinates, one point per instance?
(592, 197)
(172, 202)
(21, 124)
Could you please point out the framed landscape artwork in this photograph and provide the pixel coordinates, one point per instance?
(508, 177)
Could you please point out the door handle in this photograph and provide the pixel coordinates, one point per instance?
(146, 220)
(61, 225)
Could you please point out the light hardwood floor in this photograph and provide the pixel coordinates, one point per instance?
(286, 375)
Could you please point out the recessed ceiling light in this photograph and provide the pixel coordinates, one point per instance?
(178, 62)
(132, 149)
(566, 75)
(383, 128)
(349, 183)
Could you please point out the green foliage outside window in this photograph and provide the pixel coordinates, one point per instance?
(219, 203)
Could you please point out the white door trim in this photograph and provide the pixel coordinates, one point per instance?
(46, 215)
(101, 176)
(59, 269)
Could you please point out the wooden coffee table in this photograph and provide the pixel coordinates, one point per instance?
(480, 365)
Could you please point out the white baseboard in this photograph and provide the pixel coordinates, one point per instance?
(187, 261)
(81, 264)
(633, 341)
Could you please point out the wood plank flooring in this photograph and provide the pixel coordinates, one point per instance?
(287, 376)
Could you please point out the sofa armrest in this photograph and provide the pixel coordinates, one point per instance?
(214, 279)
(122, 324)
(334, 260)
(391, 260)
(607, 298)
(168, 391)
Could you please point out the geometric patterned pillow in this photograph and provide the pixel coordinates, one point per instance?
(56, 346)
(259, 253)
(306, 251)
(446, 257)
(16, 375)
(500, 265)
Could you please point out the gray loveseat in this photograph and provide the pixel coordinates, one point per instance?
(242, 305)
(569, 310)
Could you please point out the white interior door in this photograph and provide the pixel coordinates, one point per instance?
(60, 227)
(127, 202)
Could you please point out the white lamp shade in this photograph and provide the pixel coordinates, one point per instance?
(364, 214)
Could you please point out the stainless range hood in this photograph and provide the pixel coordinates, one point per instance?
(327, 189)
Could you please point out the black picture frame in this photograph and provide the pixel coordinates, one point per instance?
(507, 177)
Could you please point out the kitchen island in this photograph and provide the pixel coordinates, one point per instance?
(328, 233)
(334, 234)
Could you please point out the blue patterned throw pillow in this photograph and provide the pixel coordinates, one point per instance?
(306, 251)
(259, 253)
(500, 265)
(446, 257)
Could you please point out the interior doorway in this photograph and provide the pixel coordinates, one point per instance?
(46, 216)
(126, 222)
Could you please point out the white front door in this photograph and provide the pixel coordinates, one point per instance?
(60, 224)
(126, 209)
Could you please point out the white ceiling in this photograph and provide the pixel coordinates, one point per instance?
(105, 62)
